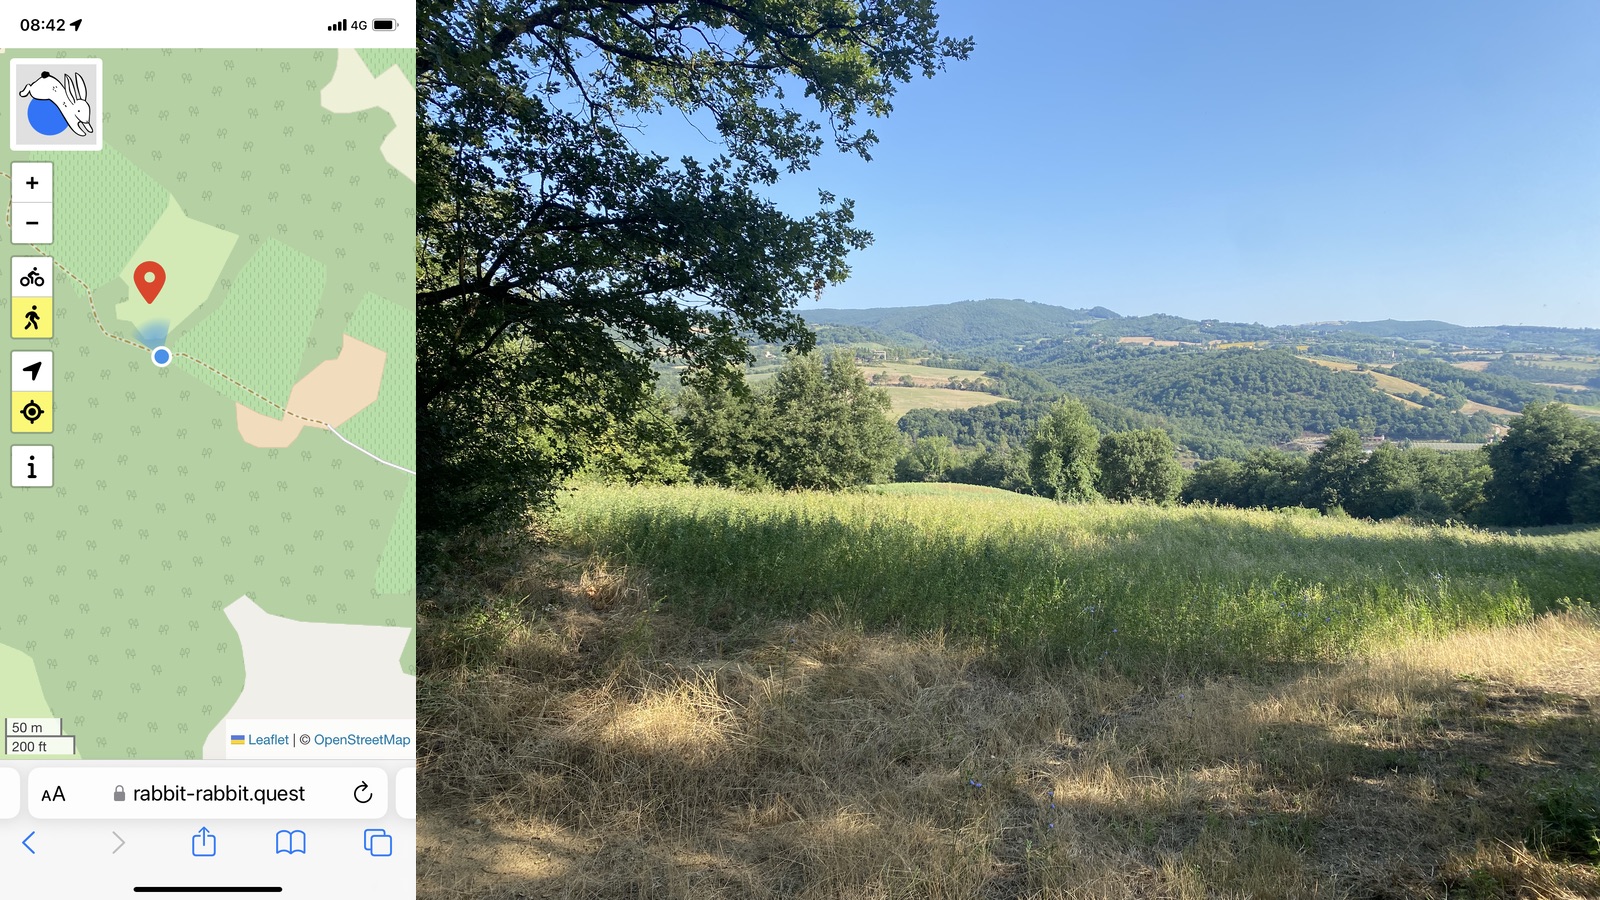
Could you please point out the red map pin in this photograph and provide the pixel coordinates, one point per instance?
(148, 277)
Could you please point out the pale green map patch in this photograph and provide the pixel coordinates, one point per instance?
(192, 255)
(282, 227)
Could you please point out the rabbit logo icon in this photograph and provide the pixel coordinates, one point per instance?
(56, 104)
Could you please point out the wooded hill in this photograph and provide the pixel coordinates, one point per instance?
(982, 323)
(1222, 388)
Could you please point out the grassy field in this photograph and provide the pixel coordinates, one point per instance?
(1139, 588)
(905, 399)
(687, 696)
(928, 374)
(1472, 406)
(1447, 446)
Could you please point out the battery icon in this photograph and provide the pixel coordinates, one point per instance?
(383, 25)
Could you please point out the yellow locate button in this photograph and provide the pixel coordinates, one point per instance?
(31, 413)
(30, 317)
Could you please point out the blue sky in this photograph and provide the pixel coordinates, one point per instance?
(1273, 162)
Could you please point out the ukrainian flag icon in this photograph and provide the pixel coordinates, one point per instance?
(236, 739)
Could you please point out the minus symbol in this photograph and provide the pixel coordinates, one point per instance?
(31, 222)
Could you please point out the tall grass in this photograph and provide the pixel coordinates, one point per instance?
(1129, 586)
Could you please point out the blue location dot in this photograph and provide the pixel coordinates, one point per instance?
(161, 356)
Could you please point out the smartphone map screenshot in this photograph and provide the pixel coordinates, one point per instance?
(207, 532)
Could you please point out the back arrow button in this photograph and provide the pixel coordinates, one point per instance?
(27, 839)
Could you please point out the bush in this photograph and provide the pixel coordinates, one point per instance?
(1569, 817)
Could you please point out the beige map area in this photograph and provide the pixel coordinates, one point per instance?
(332, 392)
(354, 89)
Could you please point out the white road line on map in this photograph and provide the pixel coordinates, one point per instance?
(368, 452)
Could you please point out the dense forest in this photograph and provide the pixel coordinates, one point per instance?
(1221, 403)
(1483, 387)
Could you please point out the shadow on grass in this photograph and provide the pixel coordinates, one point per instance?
(593, 747)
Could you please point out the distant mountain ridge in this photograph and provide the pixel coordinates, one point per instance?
(968, 323)
(971, 324)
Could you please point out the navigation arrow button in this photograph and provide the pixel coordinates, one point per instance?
(27, 839)
(120, 841)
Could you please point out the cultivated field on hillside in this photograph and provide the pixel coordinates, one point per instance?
(1397, 388)
(905, 399)
(930, 376)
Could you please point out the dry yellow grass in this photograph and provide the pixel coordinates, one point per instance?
(1472, 406)
(1397, 388)
(579, 742)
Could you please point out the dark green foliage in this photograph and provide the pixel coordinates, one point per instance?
(828, 429)
(558, 260)
(819, 425)
(1063, 453)
(1418, 483)
(927, 459)
(1003, 467)
(647, 447)
(1139, 465)
(1568, 826)
(1332, 473)
(1537, 468)
(1584, 501)
(997, 424)
(1266, 479)
(1220, 403)
(726, 429)
(1383, 485)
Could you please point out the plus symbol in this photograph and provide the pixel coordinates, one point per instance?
(32, 182)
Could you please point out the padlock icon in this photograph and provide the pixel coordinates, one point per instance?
(118, 794)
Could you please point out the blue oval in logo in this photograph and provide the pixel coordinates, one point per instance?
(45, 117)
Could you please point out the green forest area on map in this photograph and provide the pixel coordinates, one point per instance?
(282, 229)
